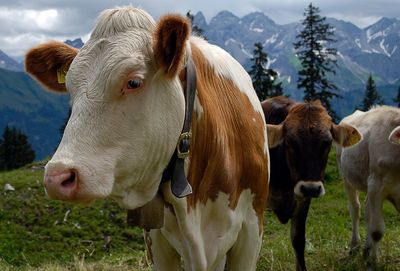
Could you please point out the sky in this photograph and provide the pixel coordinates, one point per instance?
(24, 24)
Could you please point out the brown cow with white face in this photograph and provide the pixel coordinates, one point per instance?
(128, 107)
(300, 136)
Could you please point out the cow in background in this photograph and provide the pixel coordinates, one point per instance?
(300, 137)
(372, 166)
(395, 136)
(128, 109)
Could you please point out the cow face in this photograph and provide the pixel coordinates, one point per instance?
(127, 106)
(307, 135)
(395, 136)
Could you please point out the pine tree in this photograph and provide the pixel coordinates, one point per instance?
(264, 79)
(195, 28)
(15, 150)
(317, 58)
(397, 99)
(371, 96)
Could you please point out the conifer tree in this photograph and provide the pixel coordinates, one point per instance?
(397, 99)
(264, 79)
(317, 58)
(195, 28)
(15, 150)
(371, 96)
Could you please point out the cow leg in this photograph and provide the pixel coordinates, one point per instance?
(163, 255)
(298, 232)
(354, 210)
(244, 254)
(374, 218)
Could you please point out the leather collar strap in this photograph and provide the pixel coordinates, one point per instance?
(175, 170)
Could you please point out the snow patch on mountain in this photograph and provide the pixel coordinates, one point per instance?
(271, 39)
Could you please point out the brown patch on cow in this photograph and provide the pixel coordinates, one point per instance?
(308, 117)
(169, 43)
(228, 142)
(276, 109)
(43, 61)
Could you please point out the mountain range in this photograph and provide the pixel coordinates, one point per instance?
(361, 52)
(25, 105)
(373, 49)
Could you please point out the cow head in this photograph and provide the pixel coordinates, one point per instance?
(127, 106)
(395, 136)
(307, 134)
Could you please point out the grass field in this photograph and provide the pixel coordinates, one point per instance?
(39, 234)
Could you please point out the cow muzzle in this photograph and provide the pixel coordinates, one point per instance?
(309, 189)
(61, 184)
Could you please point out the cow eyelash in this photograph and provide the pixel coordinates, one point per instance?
(134, 83)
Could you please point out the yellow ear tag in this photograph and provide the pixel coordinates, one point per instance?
(61, 75)
(354, 139)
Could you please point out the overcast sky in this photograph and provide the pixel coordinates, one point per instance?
(25, 23)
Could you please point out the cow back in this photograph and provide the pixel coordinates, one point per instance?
(276, 109)
(281, 199)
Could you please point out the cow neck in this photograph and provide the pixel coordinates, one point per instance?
(175, 170)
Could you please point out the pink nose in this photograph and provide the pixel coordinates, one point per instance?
(61, 184)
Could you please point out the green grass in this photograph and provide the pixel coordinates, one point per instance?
(34, 235)
(36, 231)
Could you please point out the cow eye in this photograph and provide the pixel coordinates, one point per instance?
(134, 84)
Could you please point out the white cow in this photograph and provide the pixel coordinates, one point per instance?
(128, 108)
(372, 166)
(395, 136)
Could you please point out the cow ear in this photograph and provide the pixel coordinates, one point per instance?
(275, 135)
(345, 135)
(170, 42)
(395, 136)
(49, 62)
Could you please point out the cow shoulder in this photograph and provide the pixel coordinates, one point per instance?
(230, 130)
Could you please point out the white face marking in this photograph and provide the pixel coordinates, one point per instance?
(120, 143)
(298, 189)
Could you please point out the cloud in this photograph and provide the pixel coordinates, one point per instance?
(28, 20)
(25, 23)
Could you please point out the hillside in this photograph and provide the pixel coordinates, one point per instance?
(38, 234)
(38, 113)
(373, 49)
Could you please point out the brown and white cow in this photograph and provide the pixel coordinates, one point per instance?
(394, 136)
(126, 86)
(300, 139)
(373, 166)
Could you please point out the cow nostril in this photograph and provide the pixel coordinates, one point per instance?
(70, 181)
